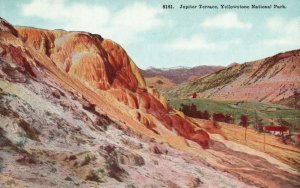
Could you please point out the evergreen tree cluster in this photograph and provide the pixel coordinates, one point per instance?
(191, 110)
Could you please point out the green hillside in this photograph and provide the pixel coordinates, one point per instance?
(214, 80)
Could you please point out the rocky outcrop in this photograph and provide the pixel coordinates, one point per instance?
(12, 73)
(7, 27)
(10, 49)
(127, 157)
(89, 57)
(151, 109)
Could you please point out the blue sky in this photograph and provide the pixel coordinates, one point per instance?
(162, 38)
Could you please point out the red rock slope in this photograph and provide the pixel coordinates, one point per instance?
(101, 71)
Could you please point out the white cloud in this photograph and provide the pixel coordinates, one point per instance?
(226, 21)
(135, 19)
(198, 42)
(124, 25)
(286, 31)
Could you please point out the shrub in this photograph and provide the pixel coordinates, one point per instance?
(86, 160)
(159, 82)
(1, 167)
(194, 95)
(23, 141)
(93, 176)
(244, 121)
(229, 118)
(206, 115)
(258, 125)
(72, 157)
(191, 110)
(68, 178)
(75, 164)
(27, 159)
(30, 131)
(219, 117)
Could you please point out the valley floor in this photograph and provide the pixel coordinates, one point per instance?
(268, 113)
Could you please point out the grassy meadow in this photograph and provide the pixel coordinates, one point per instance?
(268, 113)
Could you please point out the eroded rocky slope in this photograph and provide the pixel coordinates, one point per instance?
(89, 62)
(274, 79)
(53, 138)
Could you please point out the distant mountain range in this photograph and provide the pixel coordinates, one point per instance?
(274, 79)
(178, 75)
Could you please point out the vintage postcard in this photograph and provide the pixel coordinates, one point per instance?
(157, 93)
